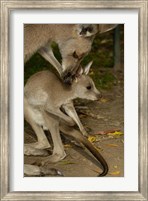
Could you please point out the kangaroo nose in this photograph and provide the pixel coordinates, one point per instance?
(99, 96)
(67, 77)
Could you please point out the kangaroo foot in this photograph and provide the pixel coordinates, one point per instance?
(33, 170)
(50, 171)
(53, 158)
(29, 150)
(40, 145)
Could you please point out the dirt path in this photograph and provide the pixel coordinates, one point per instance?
(104, 115)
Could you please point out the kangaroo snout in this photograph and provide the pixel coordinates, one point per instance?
(67, 77)
(95, 97)
(99, 96)
(69, 74)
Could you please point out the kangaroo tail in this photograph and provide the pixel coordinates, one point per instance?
(80, 138)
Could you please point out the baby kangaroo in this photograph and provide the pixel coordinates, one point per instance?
(45, 89)
(45, 96)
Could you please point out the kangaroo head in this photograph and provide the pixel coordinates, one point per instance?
(84, 86)
(74, 49)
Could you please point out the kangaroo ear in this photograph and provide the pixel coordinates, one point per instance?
(86, 30)
(78, 74)
(79, 71)
(106, 27)
(87, 68)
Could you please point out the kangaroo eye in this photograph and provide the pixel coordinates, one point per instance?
(88, 87)
(75, 55)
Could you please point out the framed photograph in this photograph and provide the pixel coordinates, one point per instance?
(128, 175)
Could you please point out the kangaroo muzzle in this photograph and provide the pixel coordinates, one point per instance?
(70, 74)
(67, 77)
(99, 96)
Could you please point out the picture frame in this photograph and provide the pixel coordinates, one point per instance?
(142, 193)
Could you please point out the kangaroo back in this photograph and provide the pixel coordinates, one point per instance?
(45, 87)
(74, 42)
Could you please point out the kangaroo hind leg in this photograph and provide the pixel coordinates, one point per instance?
(58, 148)
(42, 141)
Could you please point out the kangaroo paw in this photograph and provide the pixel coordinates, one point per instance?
(85, 134)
